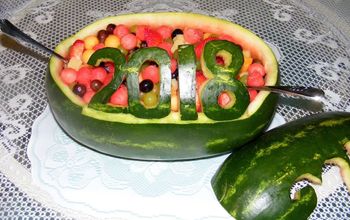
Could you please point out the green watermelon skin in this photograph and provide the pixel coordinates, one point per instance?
(156, 141)
(255, 181)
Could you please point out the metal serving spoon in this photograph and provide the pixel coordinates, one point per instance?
(11, 30)
(307, 92)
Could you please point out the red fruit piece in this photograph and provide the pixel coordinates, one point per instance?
(108, 79)
(193, 35)
(152, 38)
(173, 65)
(256, 67)
(252, 94)
(224, 99)
(198, 103)
(199, 48)
(220, 61)
(128, 41)
(84, 75)
(88, 95)
(166, 46)
(255, 79)
(140, 31)
(200, 78)
(165, 31)
(77, 49)
(109, 67)
(151, 72)
(98, 46)
(68, 75)
(121, 30)
(120, 96)
(226, 37)
(98, 73)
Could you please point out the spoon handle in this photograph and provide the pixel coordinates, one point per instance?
(309, 92)
(8, 28)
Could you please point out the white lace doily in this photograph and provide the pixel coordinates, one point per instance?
(311, 39)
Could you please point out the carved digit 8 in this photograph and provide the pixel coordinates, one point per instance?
(222, 79)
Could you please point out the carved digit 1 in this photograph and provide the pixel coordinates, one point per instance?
(132, 69)
(187, 82)
(222, 79)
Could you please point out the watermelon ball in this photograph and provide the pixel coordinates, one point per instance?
(79, 89)
(121, 30)
(140, 32)
(96, 84)
(256, 67)
(128, 41)
(98, 73)
(165, 31)
(146, 85)
(77, 49)
(176, 32)
(68, 75)
(193, 35)
(120, 96)
(152, 38)
(255, 79)
(84, 75)
(151, 72)
(110, 28)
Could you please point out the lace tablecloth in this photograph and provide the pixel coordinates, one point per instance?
(310, 39)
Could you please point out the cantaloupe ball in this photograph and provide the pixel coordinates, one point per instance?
(112, 41)
(90, 42)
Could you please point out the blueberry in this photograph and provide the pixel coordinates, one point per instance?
(143, 44)
(146, 85)
(110, 28)
(102, 35)
(176, 32)
(175, 74)
(79, 90)
(96, 85)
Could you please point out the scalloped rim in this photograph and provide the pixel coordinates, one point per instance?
(344, 168)
(247, 39)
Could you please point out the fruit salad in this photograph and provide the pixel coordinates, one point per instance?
(86, 80)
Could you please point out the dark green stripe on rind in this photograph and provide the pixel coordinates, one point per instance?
(156, 141)
(255, 182)
(187, 82)
(132, 68)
